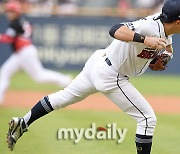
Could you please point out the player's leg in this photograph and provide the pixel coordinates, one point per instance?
(126, 97)
(49, 76)
(118, 89)
(7, 70)
(33, 67)
(79, 88)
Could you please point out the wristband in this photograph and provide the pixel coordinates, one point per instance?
(138, 38)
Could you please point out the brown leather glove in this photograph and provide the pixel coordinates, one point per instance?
(159, 63)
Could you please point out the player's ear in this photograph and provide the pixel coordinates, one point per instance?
(178, 22)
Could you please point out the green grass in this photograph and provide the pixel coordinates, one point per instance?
(42, 135)
(21, 81)
(146, 84)
(157, 84)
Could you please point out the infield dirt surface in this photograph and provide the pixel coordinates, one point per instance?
(27, 99)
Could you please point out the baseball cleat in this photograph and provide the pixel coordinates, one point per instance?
(15, 131)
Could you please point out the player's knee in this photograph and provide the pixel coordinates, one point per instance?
(38, 78)
(146, 124)
(151, 124)
(152, 120)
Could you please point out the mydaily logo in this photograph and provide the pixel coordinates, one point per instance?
(110, 132)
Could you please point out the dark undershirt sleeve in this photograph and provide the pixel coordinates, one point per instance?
(114, 29)
(17, 26)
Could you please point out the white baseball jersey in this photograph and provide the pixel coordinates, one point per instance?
(110, 77)
(132, 59)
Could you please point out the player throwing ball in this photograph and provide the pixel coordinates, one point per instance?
(24, 52)
(137, 45)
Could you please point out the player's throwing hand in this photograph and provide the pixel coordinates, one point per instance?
(155, 43)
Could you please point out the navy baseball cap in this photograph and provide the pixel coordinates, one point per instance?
(171, 11)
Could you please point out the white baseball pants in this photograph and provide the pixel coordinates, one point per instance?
(27, 60)
(96, 76)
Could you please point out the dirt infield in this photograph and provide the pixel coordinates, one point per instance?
(24, 99)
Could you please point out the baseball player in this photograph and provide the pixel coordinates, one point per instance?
(24, 52)
(137, 45)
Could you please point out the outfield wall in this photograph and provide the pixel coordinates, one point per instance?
(66, 42)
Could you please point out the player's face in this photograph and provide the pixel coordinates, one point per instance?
(11, 15)
(178, 26)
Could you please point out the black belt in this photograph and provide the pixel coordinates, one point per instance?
(110, 64)
(108, 61)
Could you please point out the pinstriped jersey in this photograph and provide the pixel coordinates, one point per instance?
(133, 58)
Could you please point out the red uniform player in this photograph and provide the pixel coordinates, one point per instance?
(24, 55)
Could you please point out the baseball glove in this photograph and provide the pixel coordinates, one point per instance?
(159, 63)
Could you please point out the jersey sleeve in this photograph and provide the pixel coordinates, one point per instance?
(17, 27)
(143, 27)
(10, 32)
(169, 41)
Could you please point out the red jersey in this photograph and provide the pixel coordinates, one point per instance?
(18, 34)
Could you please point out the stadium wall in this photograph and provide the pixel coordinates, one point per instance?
(66, 42)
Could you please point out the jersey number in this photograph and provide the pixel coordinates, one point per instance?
(147, 54)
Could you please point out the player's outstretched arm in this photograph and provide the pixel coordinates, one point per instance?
(123, 33)
(6, 38)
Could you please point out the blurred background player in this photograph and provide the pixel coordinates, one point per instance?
(24, 54)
